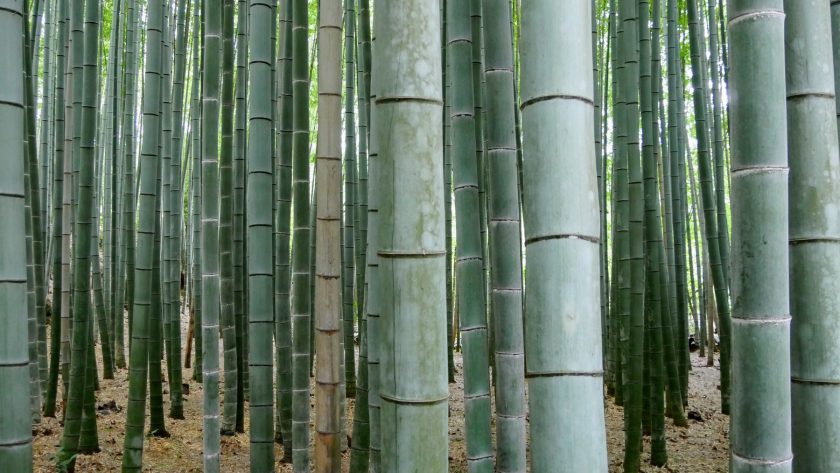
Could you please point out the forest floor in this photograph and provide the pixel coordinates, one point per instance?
(700, 447)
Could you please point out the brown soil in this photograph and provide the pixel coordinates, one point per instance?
(701, 447)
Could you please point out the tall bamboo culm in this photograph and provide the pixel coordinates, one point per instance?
(15, 428)
(814, 235)
(259, 234)
(210, 281)
(147, 197)
(282, 275)
(760, 424)
(411, 250)
(468, 256)
(300, 301)
(557, 109)
(328, 307)
(503, 213)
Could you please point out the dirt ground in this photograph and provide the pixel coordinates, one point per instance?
(701, 447)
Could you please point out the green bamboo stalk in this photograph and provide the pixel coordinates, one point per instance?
(373, 295)
(157, 423)
(360, 454)
(712, 239)
(411, 243)
(815, 168)
(46, 131)
(671, 280)
(505, 240)
(557, 107)
(282, 274)
(259, 215)
(113, 274)
(600, 134)
(363, 69)
(98, 318)
(176, 199)
(125, 270)
(760, 289)
(675, 281)
(654, 249)
(82, 314)
(349, 233)
(110, 174)
(680, 214)
(469, 253)
(718, 142)
(56, 325)
(669, 324)
(159, 320)
(164, 210)
(89, 438)
(238, 250)
(32, 324)
(478, 86)
(360, 447)
(231, 397)
(195, 187)
(634, 319)
(210, 281)
(143, 279)
(621, 245)
(15, 425)
(300, 303)
(34, 193)
(447, 194)
(67, 200)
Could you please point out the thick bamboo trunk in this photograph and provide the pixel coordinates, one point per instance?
(557, 110)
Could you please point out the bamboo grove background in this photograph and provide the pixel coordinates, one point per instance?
(355, 191)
